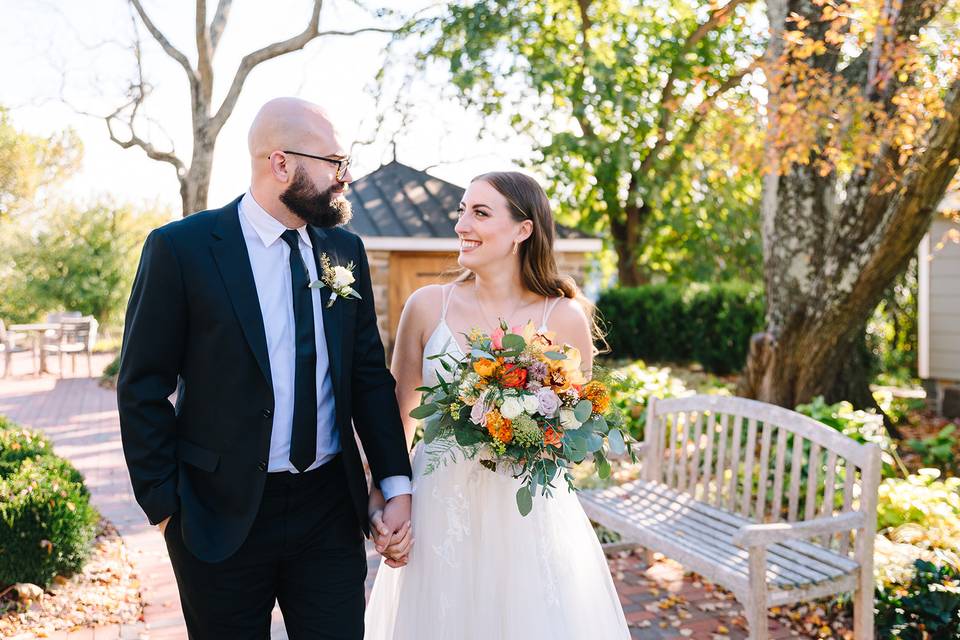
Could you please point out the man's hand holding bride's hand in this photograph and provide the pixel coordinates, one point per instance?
(392, 533)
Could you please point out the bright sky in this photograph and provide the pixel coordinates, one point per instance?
(81, 50)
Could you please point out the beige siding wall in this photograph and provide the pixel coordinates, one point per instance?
(943, 321)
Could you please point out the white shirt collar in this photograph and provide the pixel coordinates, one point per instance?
(265, 225)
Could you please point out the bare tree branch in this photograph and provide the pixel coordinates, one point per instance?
(251, 60)
(204, 52)
(138, 94)
(172, 51)
(358, 31)
(219, 23)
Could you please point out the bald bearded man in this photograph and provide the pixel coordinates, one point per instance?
(254, 475)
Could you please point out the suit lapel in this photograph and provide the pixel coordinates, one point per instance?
(322, 243)
(233, 261)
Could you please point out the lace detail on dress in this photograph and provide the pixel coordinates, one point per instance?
(458, 523)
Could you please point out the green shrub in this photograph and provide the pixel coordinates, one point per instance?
(921, 499)
(46, 520)
(928, 606)
(937, 451)
(111, 371)
(46, 523)
(707, 323)
(17, 445)
(634, 385)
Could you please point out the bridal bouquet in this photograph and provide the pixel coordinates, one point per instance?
(523, 400)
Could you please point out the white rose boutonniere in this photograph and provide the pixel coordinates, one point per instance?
(338, 278)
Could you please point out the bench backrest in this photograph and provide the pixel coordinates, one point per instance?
(758, 460)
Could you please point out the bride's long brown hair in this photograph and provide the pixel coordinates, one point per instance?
(538, 264)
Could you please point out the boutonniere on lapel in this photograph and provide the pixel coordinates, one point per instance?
(337, 278)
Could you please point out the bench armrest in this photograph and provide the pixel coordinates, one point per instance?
(752, 535)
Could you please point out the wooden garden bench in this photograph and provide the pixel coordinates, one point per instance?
(769, 503)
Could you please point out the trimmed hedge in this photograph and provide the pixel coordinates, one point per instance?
(46, 521)
(707, 323)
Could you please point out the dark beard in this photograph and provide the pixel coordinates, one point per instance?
(314, 207)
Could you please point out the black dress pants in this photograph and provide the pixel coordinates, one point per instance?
(305, 551)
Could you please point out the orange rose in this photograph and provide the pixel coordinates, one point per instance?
(485, 367)
(514, 376)
(552, 437)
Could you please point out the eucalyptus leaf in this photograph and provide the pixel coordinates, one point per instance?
(424, 410)
(431, 430)
(524, 500)
(479, 353)
(617, 444)
(555, 355)
(603, 466)
(514, 342)
(583, 410)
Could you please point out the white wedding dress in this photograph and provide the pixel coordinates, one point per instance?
(481, 571)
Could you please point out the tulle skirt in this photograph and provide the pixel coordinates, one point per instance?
(481, 571)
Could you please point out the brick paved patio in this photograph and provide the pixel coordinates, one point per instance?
(81, 419)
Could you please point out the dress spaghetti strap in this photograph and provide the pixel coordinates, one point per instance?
(447, 294)
(548, 307)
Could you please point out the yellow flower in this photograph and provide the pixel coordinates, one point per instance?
(485, 367)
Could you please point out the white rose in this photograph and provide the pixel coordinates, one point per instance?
(568, 419)
(530, 404)
(342, 277)
(511, 408)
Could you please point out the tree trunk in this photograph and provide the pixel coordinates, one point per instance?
(195, 183)
(833, 244)
(627, 232)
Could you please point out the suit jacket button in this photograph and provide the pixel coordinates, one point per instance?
(267, 413)
(262, 465)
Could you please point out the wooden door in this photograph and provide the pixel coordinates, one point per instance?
(409, 272)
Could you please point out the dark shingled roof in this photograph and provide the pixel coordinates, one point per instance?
(400, 202)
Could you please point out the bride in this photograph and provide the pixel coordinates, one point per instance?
(479, 570)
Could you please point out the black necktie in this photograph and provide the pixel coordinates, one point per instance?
(303, 437)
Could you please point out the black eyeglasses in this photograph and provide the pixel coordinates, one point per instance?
(342, 163)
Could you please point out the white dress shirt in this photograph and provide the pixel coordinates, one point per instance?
(270, 261)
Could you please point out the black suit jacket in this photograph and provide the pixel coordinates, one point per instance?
(194, 326)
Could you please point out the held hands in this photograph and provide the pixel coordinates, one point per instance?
(392, 533)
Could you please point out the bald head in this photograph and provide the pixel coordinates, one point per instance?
(292, 123)
(299, 165)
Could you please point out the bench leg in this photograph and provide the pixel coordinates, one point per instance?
(755, 602)
(863, 607)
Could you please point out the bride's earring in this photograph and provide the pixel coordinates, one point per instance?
(516, 246)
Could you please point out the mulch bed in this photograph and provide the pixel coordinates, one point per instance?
(105, 592)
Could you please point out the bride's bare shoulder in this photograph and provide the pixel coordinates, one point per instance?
(422, 308)
(570, 314)
(430, 296)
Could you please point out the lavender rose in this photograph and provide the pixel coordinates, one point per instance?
(549, 402)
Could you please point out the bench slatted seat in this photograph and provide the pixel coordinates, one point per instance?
(712, 496)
